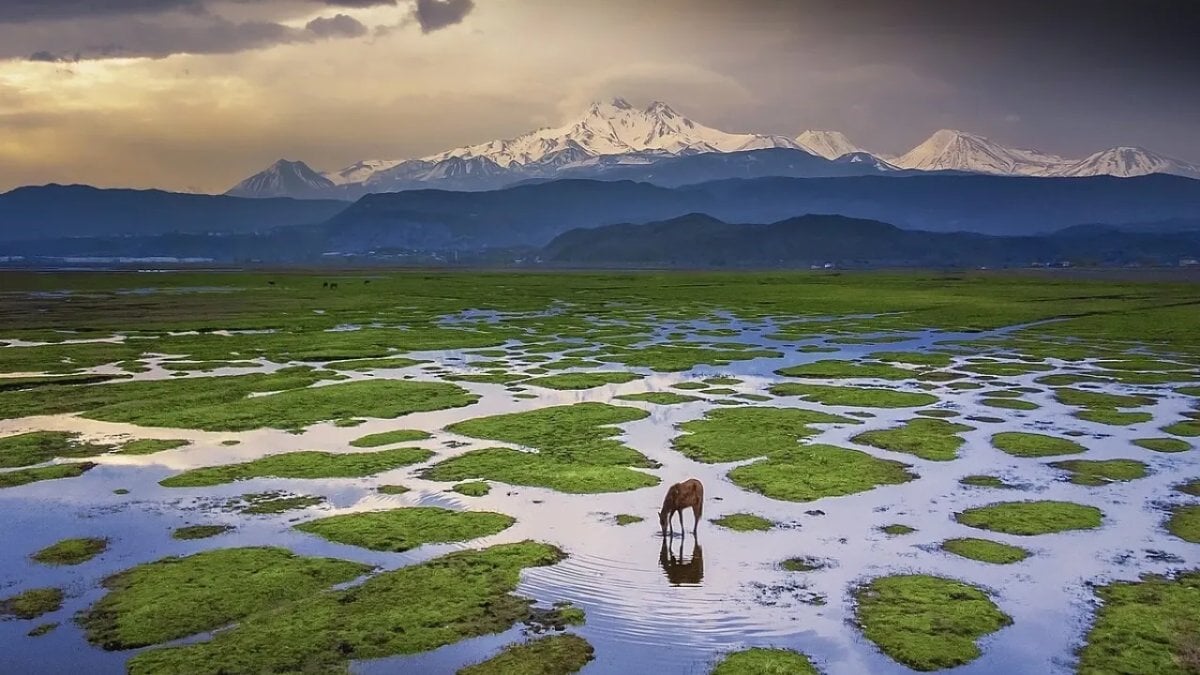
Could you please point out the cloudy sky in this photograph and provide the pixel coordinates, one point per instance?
(197, 94)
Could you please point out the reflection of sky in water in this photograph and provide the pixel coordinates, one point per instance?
(648, 607)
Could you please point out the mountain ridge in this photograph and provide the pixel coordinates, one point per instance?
(618, 134)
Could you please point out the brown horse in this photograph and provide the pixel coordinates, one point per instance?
(689, 493)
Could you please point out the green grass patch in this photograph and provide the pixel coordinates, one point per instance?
(576, 451)
(1188, 428)
(284, 400)
(488, 378)
(931, 359)
(746, 432)
(390, 438)
(149, 446)
(722, 381)
(1184, 522)
(36, 447)
(409, 610)
(927, 622)
(687, 386)
(173, 598)
(1101, 472)
(38, 631)
(981, 480)
(1095, 399)
(552, 655)
(1024, 444)
(32, 603)
(1192, 487)
(809, 472)
(392, 489)
(765, 661)
(1163, 444)
(659, 397)
(1144, 626)
(931, 439)
(475, 488)
(582, 380)
(1031, 517)
(189, 532)
(399, 530)
(20, 477)
(744, 522)
(71, 551)
(627, 519)
(857, 397)
(305, 464)
(897, 529)
(985, 550)
(272, 503)
(1113, 417)
(846, 370)
(802, 564)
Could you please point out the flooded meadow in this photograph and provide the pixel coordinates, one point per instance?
(439, 473)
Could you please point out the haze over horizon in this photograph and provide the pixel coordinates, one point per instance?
(197, 94)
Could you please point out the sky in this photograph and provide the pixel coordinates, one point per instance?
(197, 94)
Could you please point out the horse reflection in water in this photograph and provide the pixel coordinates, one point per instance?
(680, 570)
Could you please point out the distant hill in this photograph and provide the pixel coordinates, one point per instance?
(57, 211)
(698, 240)
(533, 214)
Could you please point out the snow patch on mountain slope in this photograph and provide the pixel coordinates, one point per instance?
(827, 144)
(953, 150)
(1126, 162)
(282, 179)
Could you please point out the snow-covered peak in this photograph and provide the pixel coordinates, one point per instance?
(284, 178)
(827, 144)
(950, 149)
(617, 128)
(1128, 161)
(360, 171)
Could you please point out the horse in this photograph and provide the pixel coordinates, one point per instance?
(689, 493)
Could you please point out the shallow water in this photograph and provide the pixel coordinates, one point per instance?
(648, 610)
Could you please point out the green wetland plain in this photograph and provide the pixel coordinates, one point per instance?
(440, 472)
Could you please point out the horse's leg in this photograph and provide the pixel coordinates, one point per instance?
(682, 529)
(697, 510)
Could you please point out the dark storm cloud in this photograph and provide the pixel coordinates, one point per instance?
(74, 30)
(336, 26)
(437, 14)
(1070, 76)
(20, 11)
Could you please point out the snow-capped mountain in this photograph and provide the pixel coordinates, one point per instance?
(612, 139)
(952, 150)
(616, 128)
(827, 144)
(360, 171)
(283, 179)
(1126, 162)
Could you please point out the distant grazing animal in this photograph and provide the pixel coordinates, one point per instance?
(689, 493)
